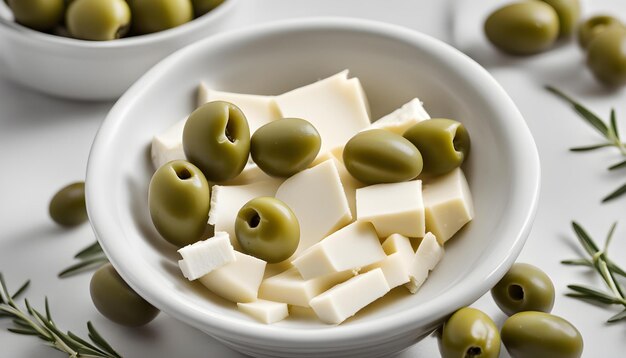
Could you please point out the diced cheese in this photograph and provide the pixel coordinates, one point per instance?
(237, 281)
(350, 248)
(399, 258)
(289, 287)
(393, 208)
(267, 312)
(251, 174)
(317, 198)
(346, 299)
(350, 185)
(428, 255)
(205, 256)
(400, 244)
(448, 204)
(168, 145)
(402, 118)
(335, 106)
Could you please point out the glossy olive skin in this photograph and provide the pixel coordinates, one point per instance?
(568, 12)
(591, 27)
(157, 15)
(285, 146)
(201, 7)
(378, 156)
(443, 143)
(523, 28)
(179, 199)
(267, 229)
(541, 335)
(98, 20)
(67, 207)
(216, 138)
(42, 15)
(115, 300)
(606, 56)
(469, 333)
(524, 288)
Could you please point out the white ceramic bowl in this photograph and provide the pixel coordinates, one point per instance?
(92, 70)
(394, 65)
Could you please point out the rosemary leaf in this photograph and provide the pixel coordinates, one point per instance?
(95, 336)
(585, 239)
(21, 289)
(616, 194)
(617, 317)
(590, 147)
(584, 113)
(83, 266)
(613, 122)
(577, 262)
(91, 250)
(588, 291)
(582, 296)
(24, 332)
(619, 165)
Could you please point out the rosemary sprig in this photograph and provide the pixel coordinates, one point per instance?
(598, 260)
(33, 323)
(91, 257)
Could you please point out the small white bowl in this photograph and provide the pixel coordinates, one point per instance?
(394, 65)
(92, 70)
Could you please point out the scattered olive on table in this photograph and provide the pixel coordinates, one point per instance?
(67, 207)
(568, 12)
(469, 333)
(606, 56)
(524, 288)
(98, 20)
(593, 26)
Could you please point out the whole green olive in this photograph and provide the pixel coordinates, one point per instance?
(378, 156)
(588, 30)
(444, 144)
(157, 15)
(117, 301)
(523, 28)
(568, 12)
(285, 146)
(201, 7)
(541, 335)
(216, 138)
(606, 56)
(179, 199)
(267, 229)
(98, 20)
(524, 288)
(42, 15)
(469, 333)
(67, 207)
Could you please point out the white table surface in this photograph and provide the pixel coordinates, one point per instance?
(44, 144)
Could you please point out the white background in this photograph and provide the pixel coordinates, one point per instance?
(44, 145)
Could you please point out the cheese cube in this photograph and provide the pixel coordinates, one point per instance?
(168, 146)
(289, 287)
(205, 256)
(427, 256)
(267, 312)
(251, 174)
(317, 198)
(346, 299)
(350, 185)
(392, 208)
(237, 281)
(396, 265)
(350, 248)
(402, 118)
(448, 204)
(397, 243)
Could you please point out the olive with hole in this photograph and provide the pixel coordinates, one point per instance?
(115, 300)
(157, 15)
(67, 207)
(568, 12)
(216, 138)
(98, 20)
(267, 229)
(179, 200)
(443, 143)
(524, 288)
(201, 7)
(593, 26)
(285, 146)
(523, 28)
(469, 333)
(378, 156)
(541, 335)
(606, 56)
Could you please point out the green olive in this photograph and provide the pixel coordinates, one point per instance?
(524, 288)
(523, 28)
(588, 30)
(606, 56)
(201, 7)
(569, 14)
(42, 15)
(117, 301)
(179, 199)
(157, 15)
(267, 229)
(469, 333)
(380, 156)
(541, 335)
(285, 146)
(444, 144)
(67, 207)
(98, 20)
(216, 138)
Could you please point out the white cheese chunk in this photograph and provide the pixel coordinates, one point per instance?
(168, 146)
(393, 208)
(346, 299)
(402, 118)
(251, 174)
(317, 198)
(350, 248)
(350, 185)
(448, 204)
(397, 243)
(289, 287)
(205, 256)
(427, 256)
(267, 312)
(237, 281)
(397, 263)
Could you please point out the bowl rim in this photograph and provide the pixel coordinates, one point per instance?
(231, 328)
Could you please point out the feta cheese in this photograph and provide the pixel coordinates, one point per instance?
(267, 312)
(168, 145)
(427, 256)
(397, 243)
(402, 118)
(396, 265)
(237, 281)
(350, 185)
(205, 256)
